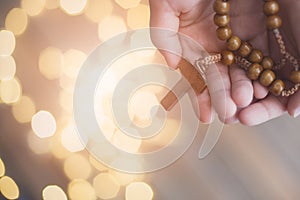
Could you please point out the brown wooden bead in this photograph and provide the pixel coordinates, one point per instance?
(234, 43)
(277, 87)
(273, 22)
(228, 57)
(271, 7)
(267, 77)
(256, 56)
(224, 33)
(245, 49)
(221, 7)
(267, 62)
(254, 71)
(221, 20)
(295, 76)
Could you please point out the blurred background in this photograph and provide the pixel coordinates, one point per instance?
(42, 46)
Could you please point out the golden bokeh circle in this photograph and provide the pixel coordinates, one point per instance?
(24, 109)
(9, 188)
(16, 21)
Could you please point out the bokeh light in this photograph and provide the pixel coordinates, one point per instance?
(106, 186)
(16, 21)
(124, 178)
(77, 167)
(71, 140)
(9, 188)
(139, 191)
(143, 19)
(51, 4)
(73, 7)
(54, 192)
(67, 83)
(51, 63)
(66, 101)
(10, 91)
(110, 26)
(2, 169)
(24, 109)
(36, 144)
(58, 150)
(33, 7)
(128, 3)
(73, 59)
(141, 104)
(81, 189)
(97, 164)
(8, 43)
(43, 124)
(98, 9)
(7, 67)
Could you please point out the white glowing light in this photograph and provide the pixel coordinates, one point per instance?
(7, 67)
(139, 191)
(71, 140)
(43, 124)
(73, 7)
(8, 43)
(54, 192)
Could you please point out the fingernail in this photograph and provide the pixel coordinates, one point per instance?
(296, 113)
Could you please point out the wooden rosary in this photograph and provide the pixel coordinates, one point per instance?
(258, 66)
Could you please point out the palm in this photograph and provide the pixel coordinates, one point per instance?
(194, 18)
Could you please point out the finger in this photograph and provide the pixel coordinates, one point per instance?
(205, 108)
(164, 35)
(262, 111)
(260, 91)
(294, 105)
(241, 88)
(202, 106)
(218, 83)
(231, 120)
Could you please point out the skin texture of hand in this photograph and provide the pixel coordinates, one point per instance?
(240, 99)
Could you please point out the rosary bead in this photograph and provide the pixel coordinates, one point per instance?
(234, 43)
(271, 7)
(256, 56)
(245, 49)
(277, 87)
(295, 76)
(224, 33)
(274, 21)
(254, 71)
(228, 57)
(267, 77)
(221, 7)
(267, 63)
(221, 20)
